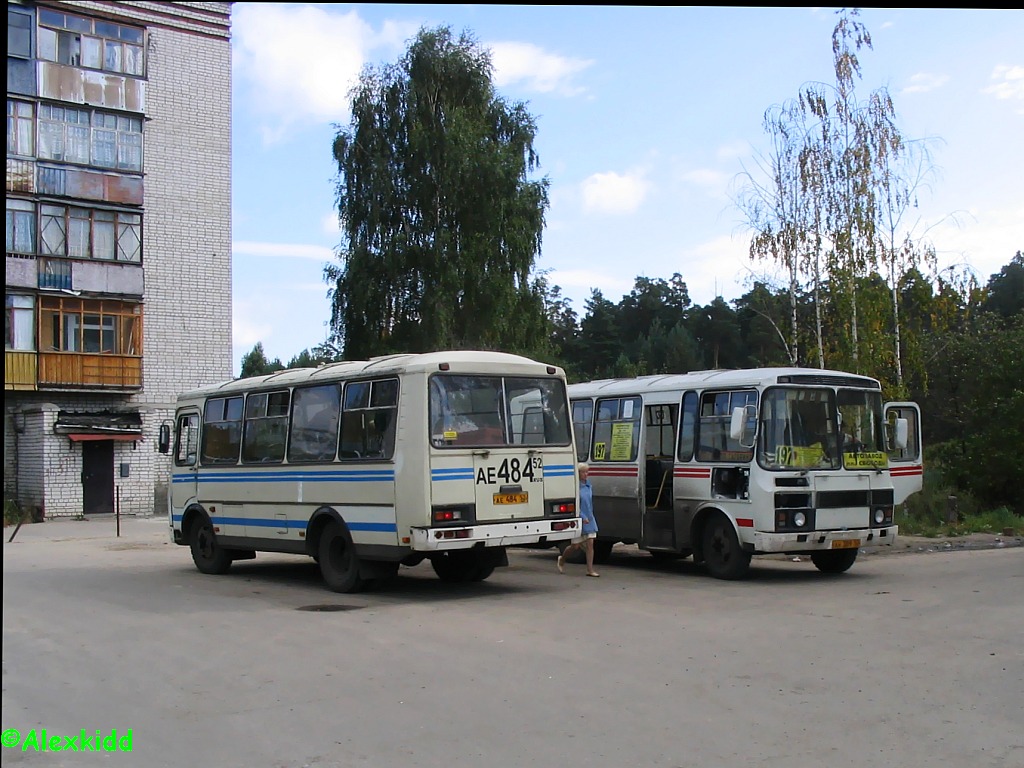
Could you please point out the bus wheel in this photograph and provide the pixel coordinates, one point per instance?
(339, 564)
(483, 573)
(837, 561)
(456, 567)
(207, 553)
(724, 557)
(602, 550)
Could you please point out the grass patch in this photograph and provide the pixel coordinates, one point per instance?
(941, 511)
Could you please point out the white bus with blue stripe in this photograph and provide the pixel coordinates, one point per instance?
(365, 466)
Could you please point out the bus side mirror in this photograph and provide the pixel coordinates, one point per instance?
(901, 433)
(738, 424)
(163, 443)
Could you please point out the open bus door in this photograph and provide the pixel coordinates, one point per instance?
(903, 442)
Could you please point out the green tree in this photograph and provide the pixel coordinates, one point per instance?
(441, 223)
(255, 363)
(1006, 289)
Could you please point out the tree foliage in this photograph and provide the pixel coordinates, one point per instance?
(441, 222)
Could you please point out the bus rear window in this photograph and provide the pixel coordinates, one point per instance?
(492, 411)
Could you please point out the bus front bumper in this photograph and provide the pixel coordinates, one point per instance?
(494, 534)
(818, 541)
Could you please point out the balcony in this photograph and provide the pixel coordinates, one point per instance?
(75, 370)
(19, 370)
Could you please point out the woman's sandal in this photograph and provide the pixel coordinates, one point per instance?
(595, 574)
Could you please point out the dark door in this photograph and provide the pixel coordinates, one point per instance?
(98, 477)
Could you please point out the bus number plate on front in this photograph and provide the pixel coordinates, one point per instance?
(511, 498)
(845, 543)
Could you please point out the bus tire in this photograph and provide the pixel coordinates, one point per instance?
(483, 573)
(339, 564)
(602, 550)
(834, 561)
(723, 555)
(207, 553)
(456, 567)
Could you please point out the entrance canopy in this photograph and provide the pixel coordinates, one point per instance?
(99, 425)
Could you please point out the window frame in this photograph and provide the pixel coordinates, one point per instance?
(80, 231)
(87, 132)
(64, 38)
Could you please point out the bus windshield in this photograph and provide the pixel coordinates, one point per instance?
(493, 411)
(860, 422)
(800, 429)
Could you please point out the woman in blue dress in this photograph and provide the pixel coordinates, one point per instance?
(585, 540)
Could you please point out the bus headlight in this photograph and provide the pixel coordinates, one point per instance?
(799, 519)
(879, 516)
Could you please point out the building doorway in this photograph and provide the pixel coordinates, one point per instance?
(98, 477)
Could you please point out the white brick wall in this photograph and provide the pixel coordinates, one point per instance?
(186, 260)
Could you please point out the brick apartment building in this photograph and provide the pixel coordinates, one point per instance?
(118, 279)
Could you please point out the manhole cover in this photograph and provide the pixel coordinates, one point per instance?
(328, 608)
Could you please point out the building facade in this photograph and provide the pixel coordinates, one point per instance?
(118, 279)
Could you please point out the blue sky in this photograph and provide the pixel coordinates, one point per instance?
(646, 117)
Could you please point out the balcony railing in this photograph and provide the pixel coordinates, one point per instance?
(54, 273)
(19, 369)
(89, 371)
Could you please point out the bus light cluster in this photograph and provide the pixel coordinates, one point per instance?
(462, 533)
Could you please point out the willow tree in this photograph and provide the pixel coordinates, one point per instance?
(441, 222)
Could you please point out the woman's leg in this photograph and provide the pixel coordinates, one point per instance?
(589, 545)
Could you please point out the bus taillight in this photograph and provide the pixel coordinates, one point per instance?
(462, 533)
(563, 508)
(447, 515)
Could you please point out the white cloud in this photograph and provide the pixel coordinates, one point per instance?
(282, 250)
(580, 282)
(300, 61)
(984, 239)
(534, 68)
(330, 224)
(923, 82)
(710, 181)
(613, 192)
(1009, 84)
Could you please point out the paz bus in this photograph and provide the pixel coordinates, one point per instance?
(727, 464)
(449, 457)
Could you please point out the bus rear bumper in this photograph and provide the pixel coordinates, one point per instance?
(818, 541)
(494, 534)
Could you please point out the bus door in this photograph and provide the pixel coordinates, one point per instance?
(659, 439)
(903, 443)
(185, 473)
(615, 468)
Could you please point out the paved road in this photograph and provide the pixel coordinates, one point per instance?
(906, 661)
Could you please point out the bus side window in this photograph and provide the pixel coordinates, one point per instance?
(187, 440)
(688, 428)
(582, 424)
(313, 432)
(368, 420)
(222, 430)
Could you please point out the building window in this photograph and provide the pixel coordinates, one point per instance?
(19, 34)
(78, 41)
(19, 323)
(87, 233)
(102, 139)
(91, 326)
(19, 128)
(21, 226)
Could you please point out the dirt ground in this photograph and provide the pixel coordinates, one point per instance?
(952, 543)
